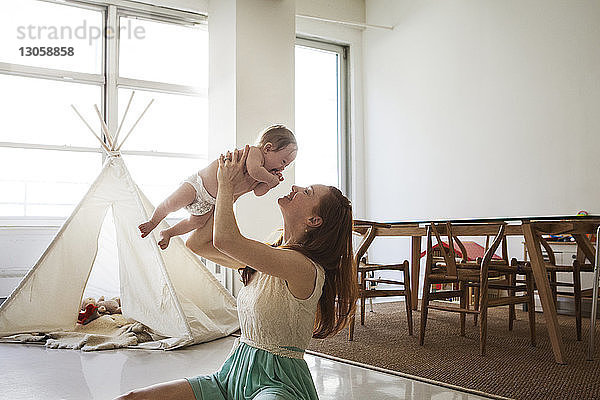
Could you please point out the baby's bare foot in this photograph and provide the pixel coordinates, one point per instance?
(147, 227)
(163, 243)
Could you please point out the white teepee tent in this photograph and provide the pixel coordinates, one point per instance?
(171, 291)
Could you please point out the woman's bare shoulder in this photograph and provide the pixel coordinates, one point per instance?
(302, 283)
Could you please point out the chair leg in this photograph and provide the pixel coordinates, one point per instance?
(553, 287)
(362, 310)
(511, 308)
(469, 297)
(577, 298)
(408, 298)
(483, 304)
(424, 309)
(531, 305)
(463, 304)
(351, 328)
(476, 306)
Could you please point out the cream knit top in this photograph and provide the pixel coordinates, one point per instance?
(272, 319)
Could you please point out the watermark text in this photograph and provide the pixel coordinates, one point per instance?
(82, 32)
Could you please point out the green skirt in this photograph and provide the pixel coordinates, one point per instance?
(251, 373)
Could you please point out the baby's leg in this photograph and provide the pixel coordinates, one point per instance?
(183, 226)
(180, 198)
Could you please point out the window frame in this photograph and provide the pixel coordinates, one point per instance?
(344, 154)
(116, 82)
(108, 80)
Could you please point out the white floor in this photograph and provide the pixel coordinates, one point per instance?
(33, 372)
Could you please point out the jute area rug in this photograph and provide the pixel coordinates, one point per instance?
(511, 367)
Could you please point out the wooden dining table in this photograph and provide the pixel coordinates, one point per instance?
(531, 228)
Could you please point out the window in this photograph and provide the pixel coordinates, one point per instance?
(171, 142)
(39, 178)
(321, 121)
(51, 156)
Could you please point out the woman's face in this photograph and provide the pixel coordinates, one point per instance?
(301, 202)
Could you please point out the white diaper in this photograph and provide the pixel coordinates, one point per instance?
(204, 202)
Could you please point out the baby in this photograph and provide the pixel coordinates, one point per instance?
(276, 149)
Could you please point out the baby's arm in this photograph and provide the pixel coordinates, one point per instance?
(254, 165)
(263, 187)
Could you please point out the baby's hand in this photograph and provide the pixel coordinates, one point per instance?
(277, 177)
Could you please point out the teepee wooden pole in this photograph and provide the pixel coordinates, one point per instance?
(104, 146)
(104, 128)
(134, 125)
(123, 120)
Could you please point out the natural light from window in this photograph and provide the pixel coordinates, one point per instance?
(317, 116)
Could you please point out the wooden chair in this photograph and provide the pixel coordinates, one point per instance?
(463, 275)
(509, 278)
(368, 283)
(558, 286)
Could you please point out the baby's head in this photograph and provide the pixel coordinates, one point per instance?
(279, 147)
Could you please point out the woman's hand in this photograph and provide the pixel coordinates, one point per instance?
(231, 168)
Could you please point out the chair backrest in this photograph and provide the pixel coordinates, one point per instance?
(504, 252)
(500, 238)
(549, 251)
(449, 254)
(362, 237)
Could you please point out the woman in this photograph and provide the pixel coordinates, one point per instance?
(300, 287)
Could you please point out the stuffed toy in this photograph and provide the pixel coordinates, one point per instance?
(89, 311)
(112, 306)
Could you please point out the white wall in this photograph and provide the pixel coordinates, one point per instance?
(344, 10)
(493, 102)
(481, 108)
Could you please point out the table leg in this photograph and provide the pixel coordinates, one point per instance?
(415, 269)
(541, 279)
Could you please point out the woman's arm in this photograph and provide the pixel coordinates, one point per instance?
(201, 243)
(283, 263)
